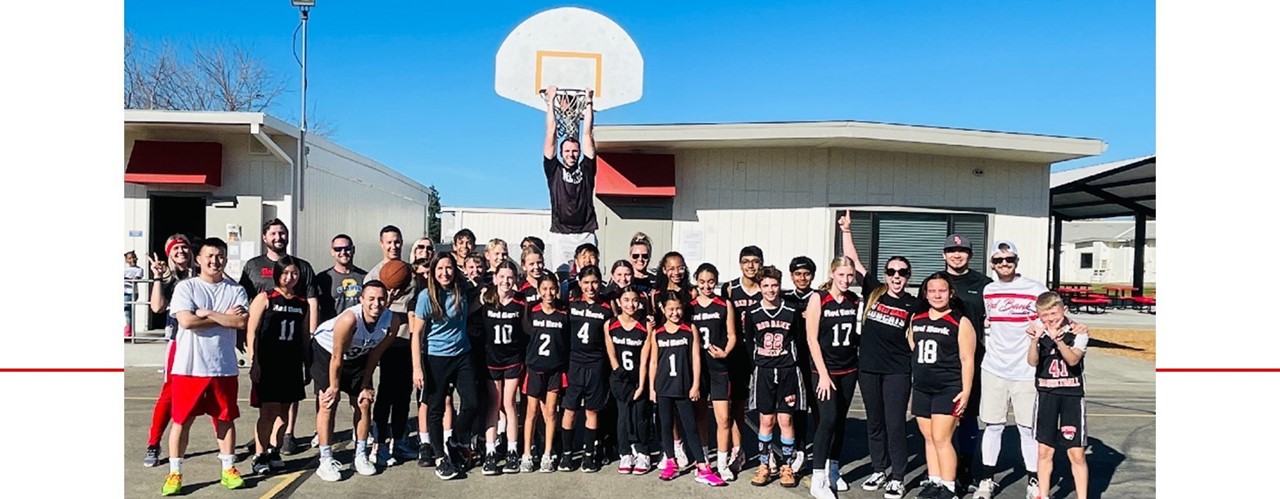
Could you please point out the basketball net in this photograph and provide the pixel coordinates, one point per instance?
(569, 106)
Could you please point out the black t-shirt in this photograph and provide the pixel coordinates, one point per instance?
(338, 291)
(1053, 373)
(572, 191)
(969, 296)
(884, 348)
(799, 300)
(259, 275)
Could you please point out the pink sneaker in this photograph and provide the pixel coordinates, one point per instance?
(705, 475)
(669, 470)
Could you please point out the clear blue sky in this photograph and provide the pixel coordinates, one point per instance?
(410, 84)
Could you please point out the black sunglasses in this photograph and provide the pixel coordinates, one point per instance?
(894, 272)
(637, 256)
(1004, 259)
(418, 247)
(344, 249)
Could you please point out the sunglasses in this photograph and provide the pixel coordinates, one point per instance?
(344, 249)
(1006, 259)
(418, 247)
(639, 256)
(895, 272)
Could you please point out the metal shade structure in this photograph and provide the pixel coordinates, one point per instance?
(1125, 188)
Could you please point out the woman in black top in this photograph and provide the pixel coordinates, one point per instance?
(276, 339)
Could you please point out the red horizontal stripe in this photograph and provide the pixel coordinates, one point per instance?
(1218, 369)
(61, 369)
(1011, 295)
(1012, 319)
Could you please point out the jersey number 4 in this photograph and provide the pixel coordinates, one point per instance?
(927, 351)
(584, 333)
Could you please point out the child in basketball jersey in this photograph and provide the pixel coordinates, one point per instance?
(276, 339)
(588, 381)
(709, 316)
(741, 294)
(531, 264)
(943, 341)
(504, 343)
(831, 333)
(674, 379)
(546, 362)
(777, 391)
(802, 270)
(629, 348)
(1057, 351)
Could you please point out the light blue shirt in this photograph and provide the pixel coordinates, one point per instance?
(446, 338)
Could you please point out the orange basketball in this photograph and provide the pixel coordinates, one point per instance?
(395, 275)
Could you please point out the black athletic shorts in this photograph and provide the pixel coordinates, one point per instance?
(740, 377)
(588, 388)
(1060, 420)
(350, 378)
(716, 386)
(777, 390)
(508, 372)
(925, 405)
(538, 383)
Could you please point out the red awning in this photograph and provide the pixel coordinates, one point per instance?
(187, 163)
(644, 175)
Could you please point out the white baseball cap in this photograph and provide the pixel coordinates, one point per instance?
(1008, 246)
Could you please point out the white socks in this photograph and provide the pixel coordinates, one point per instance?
(228, 461)
(175, 465)
(991, 444)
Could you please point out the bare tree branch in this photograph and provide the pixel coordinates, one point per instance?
(225, 77)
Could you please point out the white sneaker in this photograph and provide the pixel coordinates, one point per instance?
(736, 460)
(893, 490)
(641, 464)
(797, 461)
(1033, 488)
(363, 466)
(833, 471)
(820, 487)
(986, 489)
(315, 441)
(875, 481)
(682, 460)
(727, 474)
(625, 466)
(329, 470)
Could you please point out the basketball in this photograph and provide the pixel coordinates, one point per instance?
(395, 275)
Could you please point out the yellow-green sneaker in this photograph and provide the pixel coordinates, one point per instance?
(231, 479)
(172, 484)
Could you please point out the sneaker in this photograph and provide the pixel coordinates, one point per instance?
(787, 476)
(708, 477)
(837, 481)
(1033, 487)
(930, 490)
(987, 489)
(290, 445)
(526, 464)
(490, 467)
(820, 487)
(153, 456)
(625, 465)
(762, 476)
(682, 459)
(669, 469)
(737, 460)
(641, 465)
(893, 489)
(773, 465)
(547, 465)
(363, 466)
(590, 464)
(945, 493)
(875, 481)
(172, 484)
(231, 479)
(797, 461)
(513, 465)
(445, 469)
(315, 441)
(403, 450)
(566, 463)
(261, 464)
(727, 474)
(274, 460)
(329, 470)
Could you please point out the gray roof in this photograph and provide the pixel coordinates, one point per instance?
(1119, 188)
(1117, 231)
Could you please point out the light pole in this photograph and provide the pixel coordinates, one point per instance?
(300, 165)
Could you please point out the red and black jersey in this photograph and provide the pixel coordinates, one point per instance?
(628, 344)
(838, 332)
(281, 336)
(742, 302)
(710, 323)
(586, 325)
(674, 376)
(529, 293)
(504, 333)
(937, 352)
(548, 348)
(775, 331)
(1053, 374)
(799, 300)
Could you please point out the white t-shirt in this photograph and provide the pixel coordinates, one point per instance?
(1011, 306)
(209, 351)
(363, 340)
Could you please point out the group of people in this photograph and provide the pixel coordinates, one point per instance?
(545, 361)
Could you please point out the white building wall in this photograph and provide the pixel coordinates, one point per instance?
(1112, 263)
(1029, 234)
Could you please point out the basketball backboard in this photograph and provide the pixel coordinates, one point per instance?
(569, 48)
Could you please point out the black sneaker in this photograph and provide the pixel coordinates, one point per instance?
(290, 446)
(445, 470)
(945, 493)
(928, 490)
(513, 464)
(490, 464)
(565, 463)
(274, 460)
(153, 457)
(426, 455)
(589, 463)
(261, 464)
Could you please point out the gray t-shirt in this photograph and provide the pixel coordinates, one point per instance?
(402, 305)
(259, 275)
(338, 291)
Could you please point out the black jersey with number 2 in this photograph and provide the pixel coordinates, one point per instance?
(936, 365)
(838, 332)
(504, 333)
(548, 339)
(586, 325)
(674, 376)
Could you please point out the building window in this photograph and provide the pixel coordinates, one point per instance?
(879, 235)
(1086, 260)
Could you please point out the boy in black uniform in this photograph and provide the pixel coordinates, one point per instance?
(742, 294)
(1058, 354)
(776, 391)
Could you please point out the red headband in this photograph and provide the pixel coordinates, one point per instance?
(168, 248)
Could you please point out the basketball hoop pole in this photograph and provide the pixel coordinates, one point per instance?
(301, 164)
